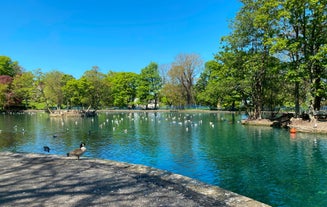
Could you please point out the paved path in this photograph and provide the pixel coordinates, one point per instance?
(51, 180)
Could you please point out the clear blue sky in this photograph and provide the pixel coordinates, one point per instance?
(122, 35)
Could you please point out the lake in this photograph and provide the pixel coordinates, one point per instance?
(269, 165)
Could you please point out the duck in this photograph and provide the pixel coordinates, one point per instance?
(46, 148)
(77, 152)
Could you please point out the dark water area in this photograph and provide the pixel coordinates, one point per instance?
(263, 163)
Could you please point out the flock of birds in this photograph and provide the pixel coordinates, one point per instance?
(186, 121)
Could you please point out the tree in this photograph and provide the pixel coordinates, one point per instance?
(38, 100)
(9, 67)
(23, 87)
(183, 72)
(246, 55)
(149, 84)
(288, 44)
(315, 48)
(5, 82)
(54, 82)
(3, 91)
(293, 31)
(207, 85)
(302, 38)
(7, 99)
(163, 71)
(123, 88)
(170, 95)
(230, 81)
(97, 89)
(75, 92)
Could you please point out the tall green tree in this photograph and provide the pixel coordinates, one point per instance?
(301, 37)
(232, 81)
(149, 84)
(75, 92)
(23, 87)
(288, 44)
(38, 100)
(54, 81)
(207, 86)
(97, 89)
(123, 88)
(315, 54)
(247, 56)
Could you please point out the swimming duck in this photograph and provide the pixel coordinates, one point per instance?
(46, 149)
(77, 152)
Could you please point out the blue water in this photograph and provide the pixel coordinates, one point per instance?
(263, 163)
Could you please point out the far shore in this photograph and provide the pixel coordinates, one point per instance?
(151, 110)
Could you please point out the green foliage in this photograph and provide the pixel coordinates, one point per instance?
(273, 43)
(207, 86)
(8, 67)
(75, 92)
(123, 88)
(149, 84)
(171, 95)
(3, 92)
(54, 82)
(96, 89)
(23, 87)
(301, 40)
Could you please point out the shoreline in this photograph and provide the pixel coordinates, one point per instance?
(29, 179)
(151, 111)
(298, 125)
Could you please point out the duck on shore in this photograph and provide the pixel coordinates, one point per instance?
(77, 152)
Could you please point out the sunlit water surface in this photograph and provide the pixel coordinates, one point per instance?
(263, 163)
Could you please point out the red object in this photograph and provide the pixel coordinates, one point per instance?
(292, 130)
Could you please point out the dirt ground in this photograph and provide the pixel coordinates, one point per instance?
(313, 126)
(298, 124)
(51, 180)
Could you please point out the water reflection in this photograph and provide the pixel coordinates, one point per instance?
(267, 164)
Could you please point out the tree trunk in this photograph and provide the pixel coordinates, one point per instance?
(297, 99)
(317, 98)
(317, 103)
(155, 101)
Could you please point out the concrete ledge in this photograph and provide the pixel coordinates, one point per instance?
(51, 180)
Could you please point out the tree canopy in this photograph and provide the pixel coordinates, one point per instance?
(9, 67)
(149, 84)
(274, 57)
